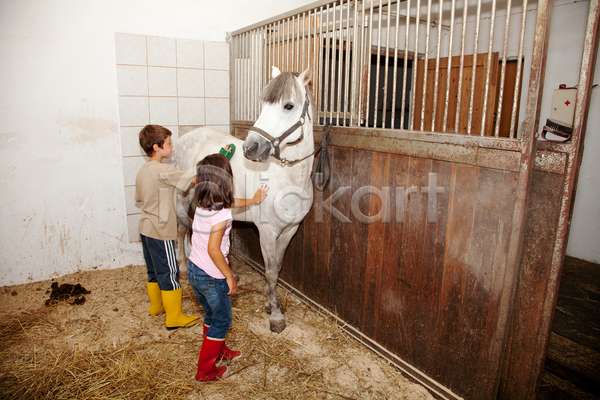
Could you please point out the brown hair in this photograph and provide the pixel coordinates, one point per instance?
(214, 184)
(151, 135)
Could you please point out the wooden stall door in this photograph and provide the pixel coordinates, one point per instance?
(448, 112)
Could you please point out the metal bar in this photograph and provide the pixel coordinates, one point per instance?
(513, 117)
(449, 73)
(395, 78)
(328, 50)
(488, 68)
(405, 72)
(317, 55)
(368, 61)
(363, 53)
(426, 66)
(582, 104)
(292, 42)
(462, 66)
(347, 60)
(289, 47)
(503, 71)
(474, 76)
(321, 49)
(415, 62)
(376, 103)
(355, 63)
(437, 66)
(387, 62)
(340, 58)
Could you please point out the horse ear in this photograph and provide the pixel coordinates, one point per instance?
(275, 72)
(305, 77)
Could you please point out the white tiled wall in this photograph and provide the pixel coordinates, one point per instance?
(178, 83)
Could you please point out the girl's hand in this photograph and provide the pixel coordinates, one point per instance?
(231, 282)
(260, 194)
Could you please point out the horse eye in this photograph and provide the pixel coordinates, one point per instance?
(288, 106)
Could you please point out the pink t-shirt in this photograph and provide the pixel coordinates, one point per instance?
(203, 221)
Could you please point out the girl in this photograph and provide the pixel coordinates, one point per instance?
(208, 269)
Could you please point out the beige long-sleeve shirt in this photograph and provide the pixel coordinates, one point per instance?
(155, 186)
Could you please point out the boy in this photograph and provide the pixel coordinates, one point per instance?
(155, 186)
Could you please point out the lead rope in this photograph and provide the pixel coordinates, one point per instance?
(323, 162)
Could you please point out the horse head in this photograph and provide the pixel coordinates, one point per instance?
(285, 109)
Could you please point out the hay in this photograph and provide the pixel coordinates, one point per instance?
(110, 348)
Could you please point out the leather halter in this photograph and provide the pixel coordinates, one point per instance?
(275, 142)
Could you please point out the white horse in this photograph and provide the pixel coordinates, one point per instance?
(278, 152)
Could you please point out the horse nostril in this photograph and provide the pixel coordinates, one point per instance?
(252, 149)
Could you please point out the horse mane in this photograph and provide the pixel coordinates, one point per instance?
(282, 88)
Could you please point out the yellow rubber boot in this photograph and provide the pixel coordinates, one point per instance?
(175, 317)
(156, 304)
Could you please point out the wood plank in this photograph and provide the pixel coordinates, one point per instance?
(340, 250)
(485, 383)
(389, 330)
(376, 240)
(452, 326)
(536, 259)
(433, 258)
(411, 268)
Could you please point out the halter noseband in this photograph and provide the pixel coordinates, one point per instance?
(275, 142)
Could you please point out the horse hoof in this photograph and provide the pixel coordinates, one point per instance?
(277, 326)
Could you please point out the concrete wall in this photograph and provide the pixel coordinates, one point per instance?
(62, 186)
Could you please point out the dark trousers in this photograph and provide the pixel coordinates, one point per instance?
(161, 262)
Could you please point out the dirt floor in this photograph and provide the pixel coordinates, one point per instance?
(110, 348)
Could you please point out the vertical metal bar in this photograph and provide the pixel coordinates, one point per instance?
(333, 62)
(462, 65)
(347, 59)
(363, 53)
(426, 66)
(503, 72)
(288, 45)
(246, 77)
(321, 48)
(488, 69)
(395, 78)
(387, 62)
(405, 68)
(252, 74)
(415, 62)
(297, 35)
(340, 59)
(437, 66)
(368, 55)
(305, 41)
(279, 44)
(375, 109)
(328, 50)
(292, 42)
(518, 79)
(356, 48)
(317, 65)
(448, 80)
(473, 77)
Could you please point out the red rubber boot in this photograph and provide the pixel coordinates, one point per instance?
(207, 370)
(226, 353)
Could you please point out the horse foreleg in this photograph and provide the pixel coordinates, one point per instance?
(273, 252)
(182, 258)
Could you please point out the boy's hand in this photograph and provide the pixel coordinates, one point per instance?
(260, 194)
(231, 282)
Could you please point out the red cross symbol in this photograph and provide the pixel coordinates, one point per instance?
(567, 102)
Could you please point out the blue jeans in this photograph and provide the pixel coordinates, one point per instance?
(212, 295)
